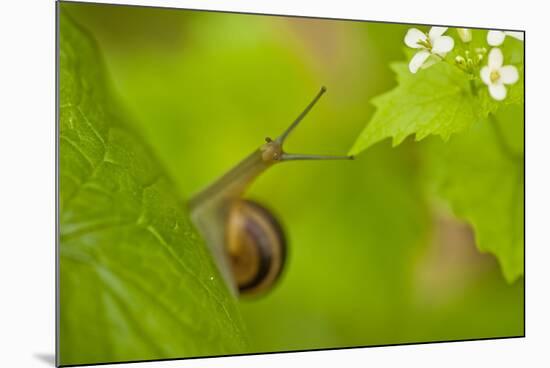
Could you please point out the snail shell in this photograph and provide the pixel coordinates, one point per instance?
(256, 246)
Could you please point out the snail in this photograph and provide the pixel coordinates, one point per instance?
(247, 241)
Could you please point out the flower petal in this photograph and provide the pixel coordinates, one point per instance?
(443, 44)
(436, 32)
(495, 58)
(413, 36)
(497, 91)
(516, 35)
(509, 74)
(417, 60)
(495, 38)
(485, 75)
(430, 61)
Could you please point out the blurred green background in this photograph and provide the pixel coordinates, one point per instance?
(374, 258)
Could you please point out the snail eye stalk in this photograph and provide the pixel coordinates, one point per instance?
(297, 156)
(289, 130)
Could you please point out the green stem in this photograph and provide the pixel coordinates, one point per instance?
(501, 140)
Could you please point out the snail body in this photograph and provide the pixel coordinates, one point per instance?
(247, 241)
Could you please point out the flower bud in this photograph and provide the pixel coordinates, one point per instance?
(465, 34)
(481, 50)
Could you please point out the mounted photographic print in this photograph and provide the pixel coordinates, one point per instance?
(244, 183)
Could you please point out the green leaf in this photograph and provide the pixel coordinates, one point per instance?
(136, 281)
(440, 100)
(434, 101)
(481, 174)
(443, 101)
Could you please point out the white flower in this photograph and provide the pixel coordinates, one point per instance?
(495, 75)
(465, 34)
(433, 43)
(496, 38)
